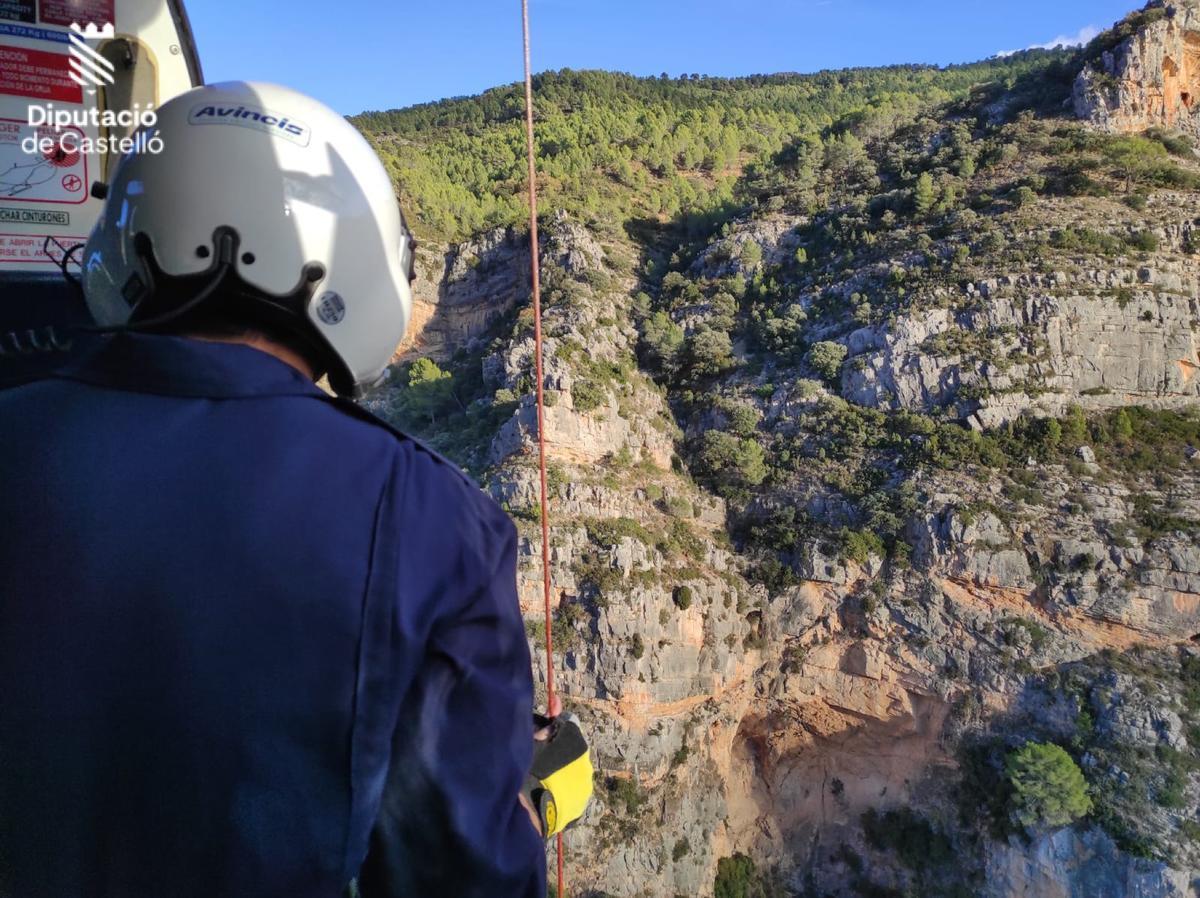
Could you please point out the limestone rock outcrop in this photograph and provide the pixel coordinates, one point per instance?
(1151, 79)
(1066, 864)
(463, 289)
(1061, 332)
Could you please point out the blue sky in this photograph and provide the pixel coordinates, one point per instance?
(387, 55)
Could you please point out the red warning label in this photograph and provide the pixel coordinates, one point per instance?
(37, 74)
(41, 165)
(27, 249)
(64, 12)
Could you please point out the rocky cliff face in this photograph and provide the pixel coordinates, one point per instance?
(1149, 79)
(1099, 337)
(850, 501)
(463, 289)
(1068, 864)
(728, 717)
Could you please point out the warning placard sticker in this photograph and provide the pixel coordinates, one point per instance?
(37, 74)
(56, 217)
(17, 10)
(26, 249)
(56, 172)
(44, 174)
(83, 12)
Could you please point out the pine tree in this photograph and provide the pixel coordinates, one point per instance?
(751, 255)
(1123, 426)
(924, 195)
(429, 389)
(1076, 425)
(1048, 788)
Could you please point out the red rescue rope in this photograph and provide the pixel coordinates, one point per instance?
(535, 273)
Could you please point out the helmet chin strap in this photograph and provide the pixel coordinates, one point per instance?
(147, 288)
(225, 241)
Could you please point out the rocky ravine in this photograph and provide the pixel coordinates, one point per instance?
(731, 720)
(1048, 597)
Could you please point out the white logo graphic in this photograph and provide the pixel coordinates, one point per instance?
(88, 68)
(276, 124)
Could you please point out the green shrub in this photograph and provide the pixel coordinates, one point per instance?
(682, 597)
(743, 418)
(1038, 635)
(679, 507)
(429, 390)
(924, 195)
(751, 255)
(625, 793)
(1123, 425)
(1144, 241)
(1048, 788)
(731, 463)
(1175, 143)
(587, 396)
(827, 358)
(861, 545)
(681, 850)
(1086, 240)
(662, 342)
(637, 646)
(737, 877)
(1172, 792)
(611, 531)
(708, 353)
(681, 755)
(1023, 196)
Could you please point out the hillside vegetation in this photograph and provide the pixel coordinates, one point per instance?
(613, 147)
(875, 465)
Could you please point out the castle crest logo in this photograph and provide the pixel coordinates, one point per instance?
(89, 69)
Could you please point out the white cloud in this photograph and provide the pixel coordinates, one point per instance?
(1085, 36)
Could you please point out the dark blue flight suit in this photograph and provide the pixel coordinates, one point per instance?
(252, 643)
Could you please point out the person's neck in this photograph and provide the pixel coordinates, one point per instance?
(262, 344)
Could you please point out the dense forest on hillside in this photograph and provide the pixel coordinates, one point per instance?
(614, 147)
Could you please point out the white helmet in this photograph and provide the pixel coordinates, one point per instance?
(274, 197)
